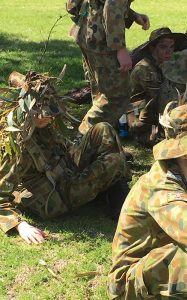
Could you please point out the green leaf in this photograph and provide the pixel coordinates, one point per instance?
(8, 148)
(22, 105)
(10, 120)
(6, 99)
(12, 143)
(12, 129)
(20, 115)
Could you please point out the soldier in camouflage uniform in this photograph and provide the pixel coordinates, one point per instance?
(50, 175)
(100, 34)
(147, 80)
(150, 243)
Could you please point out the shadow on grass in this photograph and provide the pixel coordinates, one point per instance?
(90, 221)
(20, 55)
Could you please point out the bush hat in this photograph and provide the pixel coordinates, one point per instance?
(174, 122)
(163, 32)
(176, 68)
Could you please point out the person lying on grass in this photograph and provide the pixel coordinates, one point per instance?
(44, 172)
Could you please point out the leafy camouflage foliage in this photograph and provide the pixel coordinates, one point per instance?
(35, 98)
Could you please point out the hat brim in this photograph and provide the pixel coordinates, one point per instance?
(177, 36)
(171, 148)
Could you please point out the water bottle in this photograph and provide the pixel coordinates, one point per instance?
(123, 126)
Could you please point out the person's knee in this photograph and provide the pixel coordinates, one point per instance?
(104, 127)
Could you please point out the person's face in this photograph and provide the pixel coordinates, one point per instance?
(163, 50)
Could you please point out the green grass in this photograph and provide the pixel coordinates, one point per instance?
(80, 242)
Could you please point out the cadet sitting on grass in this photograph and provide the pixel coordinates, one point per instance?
(148, 82)
(150, 244)
(49, 175)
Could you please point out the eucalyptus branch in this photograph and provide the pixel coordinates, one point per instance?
(49, 35)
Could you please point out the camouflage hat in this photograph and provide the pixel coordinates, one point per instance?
(163, 32)
(176, 68)
(174, 122)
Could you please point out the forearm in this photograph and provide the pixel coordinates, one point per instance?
(10, 217)
(143, 80)
(129, 20)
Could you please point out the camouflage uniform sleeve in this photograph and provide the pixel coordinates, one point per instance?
(169, 209)
(9, 215)
(144, 79)
(114, 13)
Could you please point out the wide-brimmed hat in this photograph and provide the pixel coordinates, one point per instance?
(174, 122)
(161, 33)
(176, 68)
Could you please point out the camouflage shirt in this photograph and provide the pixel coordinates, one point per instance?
(41, 155)
(149, 84)
(153, 219)
(102, 26)
(54, 176)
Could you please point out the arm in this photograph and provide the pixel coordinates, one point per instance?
(10, 217)
(114, 24)
(144, 79)
(30, 234)
(139, 19)
(170, 212)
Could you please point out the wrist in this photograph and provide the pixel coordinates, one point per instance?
(20, 224)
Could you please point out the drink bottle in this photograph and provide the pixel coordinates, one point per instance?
(123, 126)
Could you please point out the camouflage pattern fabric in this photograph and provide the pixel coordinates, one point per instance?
(176, 68)
(147, 80)
(102, 26)
(149, 247)
(76, 174)
(110, 90)
(174, 121)
(100, 33)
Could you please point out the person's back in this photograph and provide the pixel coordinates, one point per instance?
(151, 234)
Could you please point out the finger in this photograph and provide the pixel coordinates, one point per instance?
(39, 236)
(26, 239)
(37, 232)
(146, 24)
(42, 232)
(34, 239)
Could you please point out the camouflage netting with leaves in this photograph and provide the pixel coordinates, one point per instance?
(35, 98)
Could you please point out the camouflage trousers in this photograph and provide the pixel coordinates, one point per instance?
(110, 89)
(160, 275)
(98, 162)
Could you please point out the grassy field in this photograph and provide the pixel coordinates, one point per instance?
(80, 243)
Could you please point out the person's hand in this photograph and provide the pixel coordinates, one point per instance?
(124, 60)
(30, 234)
(142, 20)
(42, 122)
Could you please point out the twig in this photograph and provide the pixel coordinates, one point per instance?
(49, 35)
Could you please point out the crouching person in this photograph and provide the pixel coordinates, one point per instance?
(150, 244)
(50, 175)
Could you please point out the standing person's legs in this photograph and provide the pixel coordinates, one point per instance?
(110, 90)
